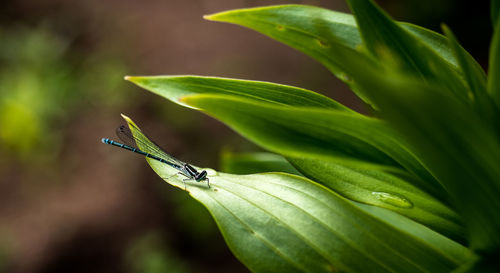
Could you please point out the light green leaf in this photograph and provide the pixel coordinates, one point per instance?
(390, 43)
(248, 163)
(176, 87)
(276, 222)
(384, 190)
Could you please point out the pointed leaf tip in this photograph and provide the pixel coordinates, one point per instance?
(209, 17)
(128, 120)
(133, 79)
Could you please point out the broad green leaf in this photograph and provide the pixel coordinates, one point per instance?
(404, 224)
(318, 32)
(176, 87)
(384, 190)
(431, 213)
(173, 88)
(388, 41)
(316, 133)
(459, 147)
(276, 222)
(494, 65)
(249, 163)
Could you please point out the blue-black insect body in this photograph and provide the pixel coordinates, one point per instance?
(156, 153)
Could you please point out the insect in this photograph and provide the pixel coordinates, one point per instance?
(156, 153)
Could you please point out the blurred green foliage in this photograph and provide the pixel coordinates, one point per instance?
(149, 255)
(34, 87)
(43, 82)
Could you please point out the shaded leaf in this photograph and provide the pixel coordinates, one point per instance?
(474, 76)
(494, 65)
(452, 141)
(248, 163)
(384, 190)
(434, 41)
(390, 42)
(315, 133)
(495, 10)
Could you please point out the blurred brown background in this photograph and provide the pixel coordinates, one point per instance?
(71, 204)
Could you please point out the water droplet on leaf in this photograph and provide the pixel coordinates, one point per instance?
(392, 199)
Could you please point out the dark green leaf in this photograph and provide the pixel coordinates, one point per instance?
(474, 76)
(248, 163)
(494, 66)
(452, 141)
(322, 135)
(314, 133)
(434, 41)
(384, 190)
(389, 42)
(285, 223)
(495, 10)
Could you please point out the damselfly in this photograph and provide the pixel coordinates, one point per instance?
(154, 152)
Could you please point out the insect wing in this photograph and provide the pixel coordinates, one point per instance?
(141, 141)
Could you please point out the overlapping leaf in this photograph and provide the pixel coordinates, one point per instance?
(257, 162)
(494, 65)
(328, 138)
(387, 191)
(474, 76)
(319, 32)
(176, 87)
(389, 41)
(454, 142)
(284, 223)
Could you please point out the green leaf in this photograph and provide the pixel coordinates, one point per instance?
(459, 147)
(495, 10)
(176, 87)
(319, 32)
(434, 41)
(384, 190)
(494, 65)
(472, 71)
(474, 76)
(278, 222)
(389, 42)
(400, 222)
(248, 163)
(316, 133)
(168, 87)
